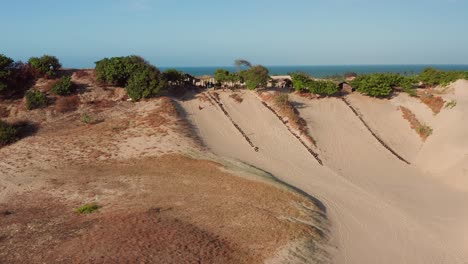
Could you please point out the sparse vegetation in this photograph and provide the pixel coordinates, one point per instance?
(237, 97)
(8, 133)
(35, 99)
(64, 86)
(46, 66)
(435, 103)
(141, 79)
(423, 130)
(88, 208)
(67, 104)
(86, 118)
(451, 104)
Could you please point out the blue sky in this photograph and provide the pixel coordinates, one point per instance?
(215, 32)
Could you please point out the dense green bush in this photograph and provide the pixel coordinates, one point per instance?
(173, 77)
(323, 87)
(64, 86)
(46, 65)
(223, 76)
(382, 84)
(118, 70)
(140, 78)
(303, 82)
(432, 77)
(144, 84)
(300, 81)
(35, 99)
(5, 72)
(255, 77)
(7, 133)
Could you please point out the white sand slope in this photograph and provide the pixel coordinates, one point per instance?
(445, 154)
(381, 210)
(386, 120)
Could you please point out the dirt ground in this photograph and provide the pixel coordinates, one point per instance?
(158, 204)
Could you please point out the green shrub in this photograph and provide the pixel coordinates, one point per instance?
(46, 65)
(7, 133)
(5, 72)
(35, 99)
(64, 86)
(87, 119)
(300, 81)
(433, 77)
(323, 87)
(378, 84)
(303, 82)
(117, 71)
(140, 78)
(144, 84)
(88, 208)
(255, 77)
(223, 76)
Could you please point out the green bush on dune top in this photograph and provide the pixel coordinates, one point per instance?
(46, 65)
(433, 77)
(141, 79)
(304, 82)
(383, 84)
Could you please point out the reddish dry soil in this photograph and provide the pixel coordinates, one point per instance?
(171, 209)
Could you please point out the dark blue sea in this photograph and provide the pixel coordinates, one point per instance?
(328, 70)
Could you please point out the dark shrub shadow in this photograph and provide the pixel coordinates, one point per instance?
(25, 129)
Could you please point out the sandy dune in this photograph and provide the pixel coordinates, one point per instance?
(381, 209)
(164, 198)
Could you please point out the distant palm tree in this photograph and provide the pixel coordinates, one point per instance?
(240, 62)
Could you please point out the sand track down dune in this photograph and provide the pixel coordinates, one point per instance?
(381, 209)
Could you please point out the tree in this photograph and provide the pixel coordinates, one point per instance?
(255, 77)
(46, 65)
(239, 63)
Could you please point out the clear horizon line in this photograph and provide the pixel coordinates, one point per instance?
(322, 65)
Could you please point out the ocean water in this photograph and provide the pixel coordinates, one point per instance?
(329, 70)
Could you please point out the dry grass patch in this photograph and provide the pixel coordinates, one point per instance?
(67, 104)
(81, 74)
(171, 209)
(4, 112)
(237, 97)
(287, 110)
(435, 103)
(423, 130)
